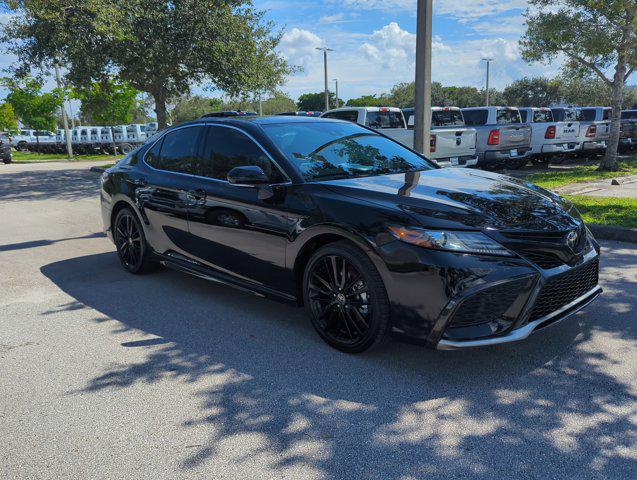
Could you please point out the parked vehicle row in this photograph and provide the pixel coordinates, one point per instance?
(499, 137)
(86, 139)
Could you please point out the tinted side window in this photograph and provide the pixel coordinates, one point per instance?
(227, 148)
(351, 116)
(178, 151)
(475, 117)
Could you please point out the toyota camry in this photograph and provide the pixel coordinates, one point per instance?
(370, 237)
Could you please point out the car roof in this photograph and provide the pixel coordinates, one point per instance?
(266, 120)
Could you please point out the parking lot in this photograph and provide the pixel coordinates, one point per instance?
(107, 375)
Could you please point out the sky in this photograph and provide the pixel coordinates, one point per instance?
(374, 43)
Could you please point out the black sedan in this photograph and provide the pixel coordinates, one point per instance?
(372, 238)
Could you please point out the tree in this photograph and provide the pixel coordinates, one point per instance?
(583, 88)
(369, 101)
(314, 101)
(402, 95)
(533, 92)
(598, 36)
(278, 103)
(189, 107)
(107, 103)
(159, 47)
(35, 109)
(8, 120)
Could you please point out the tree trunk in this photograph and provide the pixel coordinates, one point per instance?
(609, 162)
(160, 109)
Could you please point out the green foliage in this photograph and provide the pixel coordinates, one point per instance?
(402, 95)
(35, 109)
(368, 101)
(277, 103)
(621, 212)
(158, 47)
(107, 102)
(532, 92)
(190, 107)
(314, 101)
(8, 120)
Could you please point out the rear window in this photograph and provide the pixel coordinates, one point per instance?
(350, 116)
(447, 118)
(542, 116)
(629, 115)
(564, 115)
(606, 115)
(587, 115)
(379, 120)
(505, 116)
(476, 117)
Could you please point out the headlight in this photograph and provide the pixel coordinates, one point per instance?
(465, 242)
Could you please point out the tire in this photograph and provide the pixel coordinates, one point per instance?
(517, 164)
(133, 251)
(7, 161)
(22, 147)
(126, 148)
(558, 159)
(351, 322)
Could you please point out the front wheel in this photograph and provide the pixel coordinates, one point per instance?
(7, 160)
(346, 299)
(133, 251)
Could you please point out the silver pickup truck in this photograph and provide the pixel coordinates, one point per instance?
(594, 129)
(551, 138)
(452, 144)
(503, 140)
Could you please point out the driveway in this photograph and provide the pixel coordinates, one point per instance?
(108, 375)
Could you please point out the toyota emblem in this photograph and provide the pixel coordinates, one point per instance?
(572, 238)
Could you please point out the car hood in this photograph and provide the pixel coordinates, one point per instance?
(464, 199)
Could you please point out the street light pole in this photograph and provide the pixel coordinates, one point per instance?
(422, 113)
(65, 120)
(336, 85)
(327, 90)
(488, 60)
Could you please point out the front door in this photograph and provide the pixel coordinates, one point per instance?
(232, 229)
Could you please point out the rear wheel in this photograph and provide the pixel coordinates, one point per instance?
(132, 249)
(346, 299)
(517, 163)
(126, 148)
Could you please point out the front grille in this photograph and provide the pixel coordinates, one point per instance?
(542, 259)
(488, 305)
(562, 289)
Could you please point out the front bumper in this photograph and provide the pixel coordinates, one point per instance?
(448, 300)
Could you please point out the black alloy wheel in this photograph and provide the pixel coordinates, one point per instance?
(346, 298)
(131, 244)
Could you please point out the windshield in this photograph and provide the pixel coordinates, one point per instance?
(341, 150)
(629, 114)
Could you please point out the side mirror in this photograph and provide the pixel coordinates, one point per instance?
(249, 175)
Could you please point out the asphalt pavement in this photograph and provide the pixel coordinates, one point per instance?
(112, 376)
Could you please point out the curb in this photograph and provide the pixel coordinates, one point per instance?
(610, 232)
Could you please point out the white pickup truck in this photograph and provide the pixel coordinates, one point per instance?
(550, 138)
(452, 143)
(594, 129)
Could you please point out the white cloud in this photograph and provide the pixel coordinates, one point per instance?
(394, 46)
(511, 26)
(339, 17)
(298, 46)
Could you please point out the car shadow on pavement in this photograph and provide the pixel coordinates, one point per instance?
(34, 185)
(551, 406)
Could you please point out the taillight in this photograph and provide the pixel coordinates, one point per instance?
(592, 131)
(432, 143)
(550, 132)
(494, 137)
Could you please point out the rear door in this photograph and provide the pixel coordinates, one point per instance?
(169, 187)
